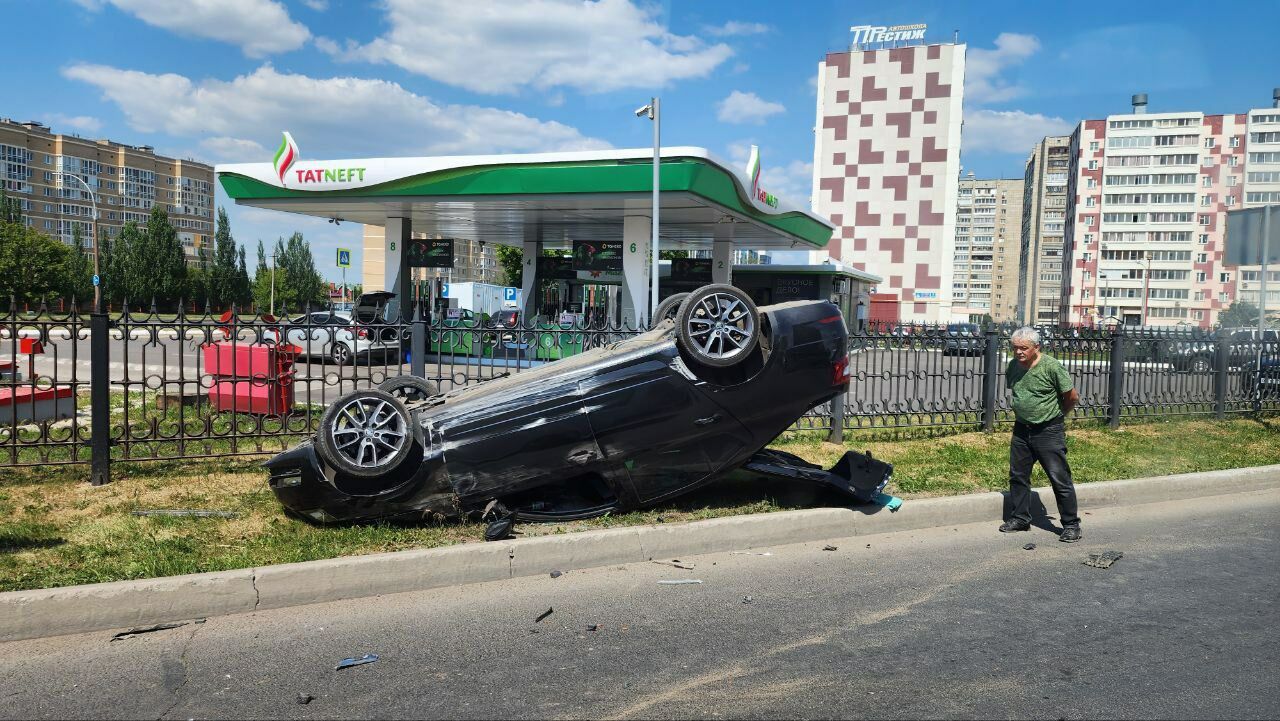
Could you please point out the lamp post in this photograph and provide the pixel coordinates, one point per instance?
(652, 111)
(97, 251)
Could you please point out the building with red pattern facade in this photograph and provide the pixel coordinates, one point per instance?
(887, 165)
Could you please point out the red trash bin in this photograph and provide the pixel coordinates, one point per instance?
(252, 378)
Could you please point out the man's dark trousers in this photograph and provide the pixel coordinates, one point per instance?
(1046, 443)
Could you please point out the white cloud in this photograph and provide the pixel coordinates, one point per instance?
(83, 123)
(733, 27)
(233, 149)
(983, 67)
(742, 107)
(492, 46)
(1011, 131)
(259, 27)
(317, 5)
(330, 117)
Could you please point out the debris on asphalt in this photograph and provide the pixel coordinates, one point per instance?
(349, 662)
(680, 582)
(830, 548)
(593, 627)
(187, 513)
(543, 615)
(557, 574)
(1104, 559)
(151, 629)
(673, 564)
(746, 599)
(868, 545)
(749, 553)
(305, 698)
(499, 529)
(1029, 547)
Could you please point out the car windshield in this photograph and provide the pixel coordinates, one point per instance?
(963, 328)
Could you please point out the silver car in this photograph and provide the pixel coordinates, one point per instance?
(334, 336)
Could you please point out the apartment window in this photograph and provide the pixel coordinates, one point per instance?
(1207, 160)
(1235, 141)
(1264, 137)
(48, 160)
(1233, 160)
(1206, 181)
(1088, 221)
(1231, 200)
(1208, 142)
(1223, 297)
(1088, 237)
(1090, 183)
(1197, 314)
(1231, 180)
(1206, 200)
(1204, 239)
(1202, 257)
(1093, 145)
(1089, 202)
(1204, 219)
(1200, 277)
(1093, 165)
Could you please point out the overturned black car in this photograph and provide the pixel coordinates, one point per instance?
(612, 429)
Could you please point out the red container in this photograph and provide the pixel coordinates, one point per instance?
(30, 345)
(266, 397)
(245, 360)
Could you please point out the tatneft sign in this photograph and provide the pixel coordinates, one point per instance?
(863, 34)
(317, 173)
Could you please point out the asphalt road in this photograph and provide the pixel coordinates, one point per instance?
(945, 623)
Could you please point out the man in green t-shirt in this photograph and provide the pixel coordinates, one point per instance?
(1043, 395)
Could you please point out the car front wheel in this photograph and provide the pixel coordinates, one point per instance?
(341, 354)
(410, 388)
(718, 325)
(365, 434)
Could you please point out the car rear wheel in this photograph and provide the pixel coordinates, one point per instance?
(718, 325)
(365, 434)
(410, 388)
(341, 354)
(1200, 364)
(669, 309)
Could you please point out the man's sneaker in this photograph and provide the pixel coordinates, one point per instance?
(1013, 525)
(1070, 534)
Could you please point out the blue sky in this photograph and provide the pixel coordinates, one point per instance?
(217, 80)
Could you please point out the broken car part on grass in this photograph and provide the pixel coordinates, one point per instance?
(616, 428)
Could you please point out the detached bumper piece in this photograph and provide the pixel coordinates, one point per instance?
(855, 474)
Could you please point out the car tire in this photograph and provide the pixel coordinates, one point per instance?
(410, 388)
(718, 325)
(1199, 364)
(365, 434)
(341, 355)
(669, 309)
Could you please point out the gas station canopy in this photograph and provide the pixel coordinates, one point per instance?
(559, 197)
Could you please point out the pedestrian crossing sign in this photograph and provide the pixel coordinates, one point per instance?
(344, 257)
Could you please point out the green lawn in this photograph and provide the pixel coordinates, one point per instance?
(58, 530)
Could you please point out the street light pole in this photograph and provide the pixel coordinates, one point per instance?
(97, 251)
(653, 112)
(273, 285)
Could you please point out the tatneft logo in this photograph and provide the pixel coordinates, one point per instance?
(287, 155)
(753, 172)
(884, 34)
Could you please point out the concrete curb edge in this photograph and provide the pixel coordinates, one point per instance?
(93, 607)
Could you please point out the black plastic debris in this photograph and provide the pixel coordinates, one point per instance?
(359, 661)
(1104, 559)
(746, 599)
(499, 529)
(557, 574)
(660, 519)
(593, 627)
(544, 614)
(305, 698)
(151, 629)
(830, 548)
(674, 564)
(1029, 547)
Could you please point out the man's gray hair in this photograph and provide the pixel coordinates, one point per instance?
(1026, 333)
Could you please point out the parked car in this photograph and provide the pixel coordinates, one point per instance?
(335, 336)
(1264, 385)
(505, 318)
(963, 339)
(614, 428)
(1197, 354)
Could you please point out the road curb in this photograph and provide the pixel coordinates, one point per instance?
(94, 607)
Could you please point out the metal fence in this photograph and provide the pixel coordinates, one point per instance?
(143, 385)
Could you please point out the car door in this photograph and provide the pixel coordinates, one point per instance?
(654, 423)
(312, 333)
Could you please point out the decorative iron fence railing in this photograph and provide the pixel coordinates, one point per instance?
(99, 388)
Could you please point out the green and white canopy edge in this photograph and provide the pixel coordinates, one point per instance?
(541, 200)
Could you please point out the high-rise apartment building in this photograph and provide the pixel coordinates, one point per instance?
(987, 248)
(1148, 195)
(1044, 210)
(127, 181)
(887, 162)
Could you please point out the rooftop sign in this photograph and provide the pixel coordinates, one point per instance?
(864, 34)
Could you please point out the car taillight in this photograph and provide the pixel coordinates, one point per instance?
(840, 371)
(360, 332)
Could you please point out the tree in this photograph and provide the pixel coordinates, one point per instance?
(299, 283)
(167, 274)
(262, 278)
(1241, 314)
(10, 208)
(672, 254)
(118, 265)
(78, 283)
(243, 295)
(224, 273)
(510, 259)
(33, 266)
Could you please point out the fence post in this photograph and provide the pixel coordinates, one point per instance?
(1115, 385)
(99, 398)
(418, 344)
(1220, 379)
(990, 375)
(837, 420)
